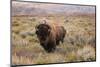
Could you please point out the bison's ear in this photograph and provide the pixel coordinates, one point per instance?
(36, 28)
(36, 32)
(49, 29)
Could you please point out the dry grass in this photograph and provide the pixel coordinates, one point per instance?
(79, 44)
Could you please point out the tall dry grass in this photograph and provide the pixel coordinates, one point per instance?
(79, 43)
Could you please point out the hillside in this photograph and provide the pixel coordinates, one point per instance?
(42, 9)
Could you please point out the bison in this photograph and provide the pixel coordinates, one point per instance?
(50, 35)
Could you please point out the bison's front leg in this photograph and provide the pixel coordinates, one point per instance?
(44, 46)
(49, 47)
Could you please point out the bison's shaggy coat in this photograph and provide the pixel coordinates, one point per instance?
(50, 35)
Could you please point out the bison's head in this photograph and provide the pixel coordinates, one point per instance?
(43, 31)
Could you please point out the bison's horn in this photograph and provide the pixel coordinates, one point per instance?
(36, 27)
(44, 21)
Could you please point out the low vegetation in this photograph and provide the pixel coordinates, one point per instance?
(79, 44)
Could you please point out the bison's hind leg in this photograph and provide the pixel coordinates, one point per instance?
(57, 42)
(62, 40)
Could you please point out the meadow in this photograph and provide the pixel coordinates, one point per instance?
(79, 43)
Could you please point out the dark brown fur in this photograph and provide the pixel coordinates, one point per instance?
(50, 35)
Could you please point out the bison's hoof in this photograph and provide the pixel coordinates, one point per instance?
(50, 50)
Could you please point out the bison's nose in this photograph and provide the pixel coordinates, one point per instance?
(43, 39)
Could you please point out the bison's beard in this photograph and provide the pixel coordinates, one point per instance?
(49, 43)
